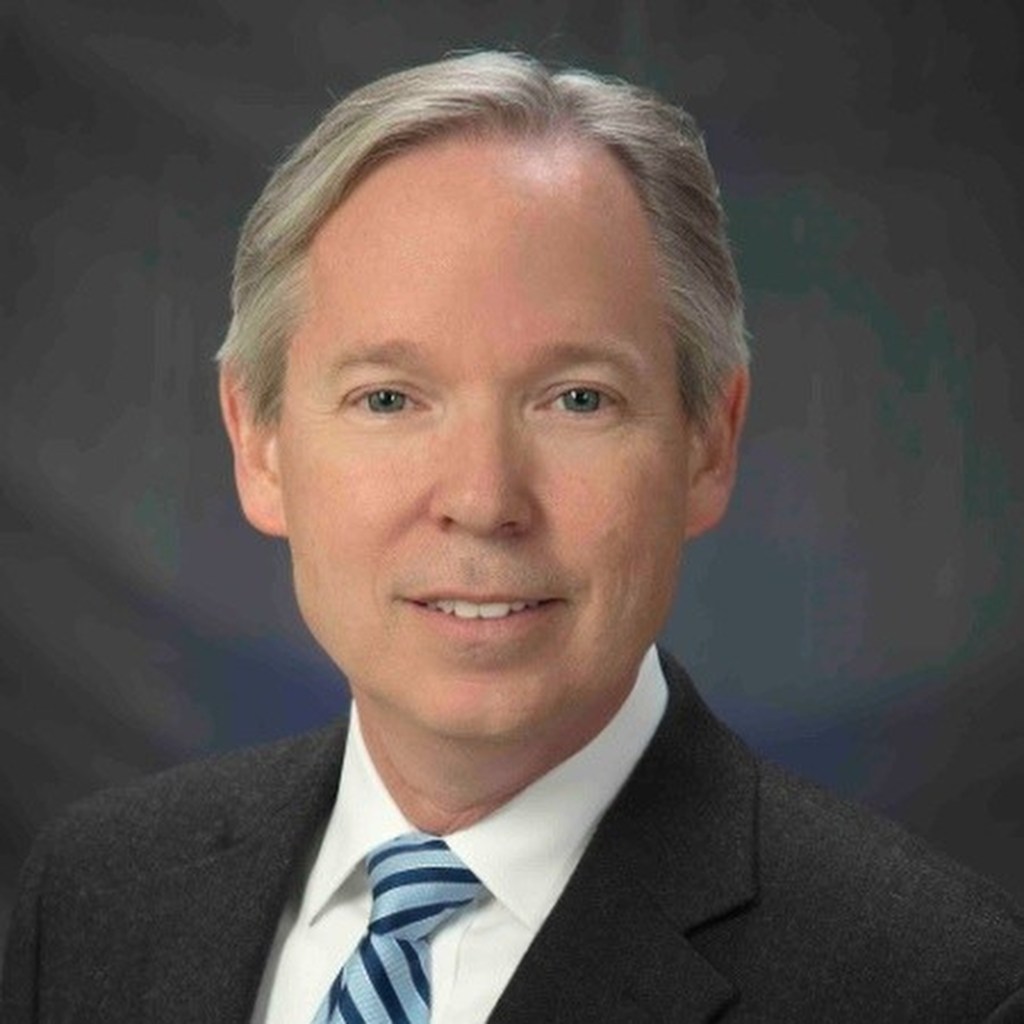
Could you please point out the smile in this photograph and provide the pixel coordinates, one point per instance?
(490, 610)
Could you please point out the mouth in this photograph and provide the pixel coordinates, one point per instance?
(462, 609)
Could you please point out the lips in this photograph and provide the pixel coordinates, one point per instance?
(485, 610)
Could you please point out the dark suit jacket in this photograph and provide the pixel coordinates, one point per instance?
(717, 888)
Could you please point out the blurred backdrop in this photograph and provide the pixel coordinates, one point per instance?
(860, 614)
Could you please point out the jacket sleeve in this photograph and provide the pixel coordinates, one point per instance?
(19, 986)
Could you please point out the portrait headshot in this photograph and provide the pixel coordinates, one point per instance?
(513, 516)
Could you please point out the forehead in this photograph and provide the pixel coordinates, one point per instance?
(528, 237)
(558, 168)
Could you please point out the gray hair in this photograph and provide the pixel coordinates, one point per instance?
(658, 144)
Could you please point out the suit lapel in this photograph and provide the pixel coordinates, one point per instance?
(608, 952)
(197, 935)
(674, 851)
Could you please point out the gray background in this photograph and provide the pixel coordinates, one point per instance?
(859, 614)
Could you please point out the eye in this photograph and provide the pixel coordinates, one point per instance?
(385, 400)
(581, 399)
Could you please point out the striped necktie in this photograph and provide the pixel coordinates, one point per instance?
(417, 884)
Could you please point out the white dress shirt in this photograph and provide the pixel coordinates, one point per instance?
(524, 853)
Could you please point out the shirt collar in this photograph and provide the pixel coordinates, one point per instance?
(363, 817)
(526, 850)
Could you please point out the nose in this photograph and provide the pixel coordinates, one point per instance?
(482, 476)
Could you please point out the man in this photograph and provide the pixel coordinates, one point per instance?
(487, 374)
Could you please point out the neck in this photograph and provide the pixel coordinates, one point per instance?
(442, 784)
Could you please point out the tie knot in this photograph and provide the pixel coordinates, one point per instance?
(417, 883)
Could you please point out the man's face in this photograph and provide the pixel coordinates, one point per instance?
(482, 463)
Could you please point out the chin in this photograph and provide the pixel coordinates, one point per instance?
(473, 713)
(471, 722)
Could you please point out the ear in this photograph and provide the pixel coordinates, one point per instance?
(714, 455)
(257, 469)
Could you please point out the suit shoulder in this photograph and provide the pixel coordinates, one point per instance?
(878, 900)
(178, 814)
(805, 827)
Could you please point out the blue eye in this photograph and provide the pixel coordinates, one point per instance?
(385, 400)
(581, 399)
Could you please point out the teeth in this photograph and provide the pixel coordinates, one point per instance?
(469, 610)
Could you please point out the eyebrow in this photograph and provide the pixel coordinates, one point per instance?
(392, 352)
(621, 355)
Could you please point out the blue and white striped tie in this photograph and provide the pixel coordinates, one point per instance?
(418, 883)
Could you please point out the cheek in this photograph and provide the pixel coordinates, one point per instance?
(623, 529)
(330, 521)
(337, 499)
